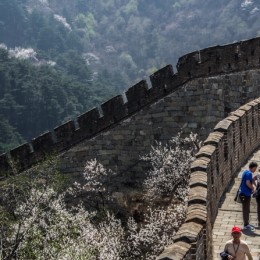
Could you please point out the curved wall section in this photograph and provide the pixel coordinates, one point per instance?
(217, 163)
(240, 56)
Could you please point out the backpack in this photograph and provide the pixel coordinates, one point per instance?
(224, 255)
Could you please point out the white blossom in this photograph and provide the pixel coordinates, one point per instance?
(90, 58)
(3, 46)
(44, 220)
(23, 53)
(43, 1)
(170, 168)
(46, 228)
(145, 241)
(255, 10)
(247, 3)
(27, 54)
(97, 177)
(63, 21)
(51, 63)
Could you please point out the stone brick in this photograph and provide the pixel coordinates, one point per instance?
(188, 232)
(176, 251)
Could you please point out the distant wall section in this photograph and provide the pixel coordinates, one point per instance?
(216, 60)
(197, 106)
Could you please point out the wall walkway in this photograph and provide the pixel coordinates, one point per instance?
(230, 214)
(220, 159)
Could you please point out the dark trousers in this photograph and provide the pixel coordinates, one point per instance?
(245, 208)
(258, 210)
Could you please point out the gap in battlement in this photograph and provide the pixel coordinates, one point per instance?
(124, 97)
(31, 146)
(76, 123)
(148, 81)
(100, 111)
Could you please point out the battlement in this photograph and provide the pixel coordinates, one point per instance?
(216, 60)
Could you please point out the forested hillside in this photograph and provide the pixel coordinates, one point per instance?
(61, 57)
(36, 98)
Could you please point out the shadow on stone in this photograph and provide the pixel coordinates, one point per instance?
(250, 233)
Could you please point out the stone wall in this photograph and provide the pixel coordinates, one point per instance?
(217, 60)
(217, 163)
(197, 106)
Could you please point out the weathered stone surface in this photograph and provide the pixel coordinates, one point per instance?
(233, 118)
(223, 126)
(238, 113)
(197, 194)
(200, 164)
(197, 213)
(198, 178)
(188, 232)
(213, 138)
(176, 251)
(206, 151)
(245, 107)
(253, 103)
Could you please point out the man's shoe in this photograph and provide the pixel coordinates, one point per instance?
(248, 227)
(251, 225)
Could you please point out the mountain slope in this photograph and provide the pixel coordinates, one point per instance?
(61, 57)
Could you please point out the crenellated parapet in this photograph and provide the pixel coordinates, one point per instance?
(240, 56)
(214, 60)
(217, 163)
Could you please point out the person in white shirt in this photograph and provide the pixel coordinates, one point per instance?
(236, 248)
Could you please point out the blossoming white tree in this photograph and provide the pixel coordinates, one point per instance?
(36, 223)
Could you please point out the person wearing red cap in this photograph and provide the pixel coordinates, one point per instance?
(236, 248)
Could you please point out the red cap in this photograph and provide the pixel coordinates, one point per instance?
(236, 229)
